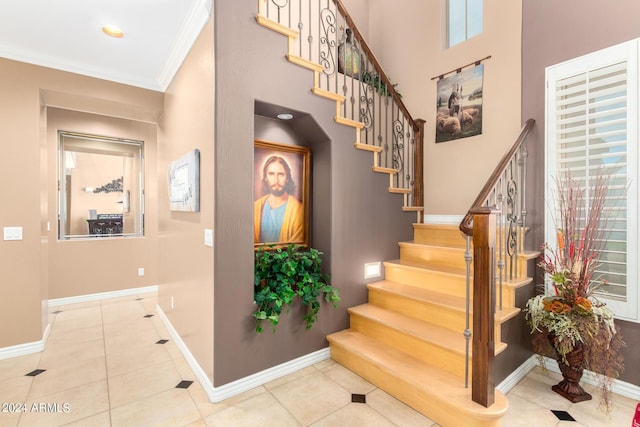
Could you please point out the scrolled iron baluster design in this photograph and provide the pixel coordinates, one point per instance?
(366, 101)
(512, 241)
(397, 145)
(366, 114)
(327, 42)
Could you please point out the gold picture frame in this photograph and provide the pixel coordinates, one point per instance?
(281, 194)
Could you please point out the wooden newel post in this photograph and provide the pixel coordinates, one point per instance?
(418, 163)
(484, 303)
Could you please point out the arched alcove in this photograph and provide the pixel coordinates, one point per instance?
(303, 130)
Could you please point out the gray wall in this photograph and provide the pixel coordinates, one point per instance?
(552, 32)
(355, 219)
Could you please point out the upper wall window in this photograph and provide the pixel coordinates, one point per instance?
(101, 187)
(464, 20)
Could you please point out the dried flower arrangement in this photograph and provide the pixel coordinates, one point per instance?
(572, 317)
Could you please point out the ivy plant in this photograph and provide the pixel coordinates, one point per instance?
(281, 275)
(376, 82)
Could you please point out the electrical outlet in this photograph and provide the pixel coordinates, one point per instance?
(140, 271)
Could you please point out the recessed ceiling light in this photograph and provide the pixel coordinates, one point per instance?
(112, 31)
(285, 116)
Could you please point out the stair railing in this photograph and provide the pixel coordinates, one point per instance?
(327, 36)
(496, 224)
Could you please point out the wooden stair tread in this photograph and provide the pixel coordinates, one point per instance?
(530, 254)
(413, 208)
(384, 170)
(436, 226)
(514, 283)
(452, 247)
(303, 62)
(436, 383)
(399, 190)
(328, 94)
(438, 335)
(368, 147)
(348, 122)
(437, 298)
(278, 28)
(426, 265)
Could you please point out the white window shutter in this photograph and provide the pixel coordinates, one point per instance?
(592, 129)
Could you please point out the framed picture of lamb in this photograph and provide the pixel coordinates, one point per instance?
(459, 105)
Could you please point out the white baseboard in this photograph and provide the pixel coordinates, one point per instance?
(21, 349)
(102, 295)
(220, 393)
(38, 346)
(443, 219)
(622, 388)
(514, 378)
(26, 348)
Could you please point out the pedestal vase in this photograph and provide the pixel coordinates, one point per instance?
(569, 387)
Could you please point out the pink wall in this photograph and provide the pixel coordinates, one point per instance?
(186, 264)
(28, 190)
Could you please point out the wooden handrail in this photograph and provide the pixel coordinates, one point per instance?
(416, 125)
(374, 61)
(466, 226)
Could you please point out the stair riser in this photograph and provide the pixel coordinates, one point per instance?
(442, 358)
(449, 236)
(454, 257)
(432, 313)
(519, 269)
(434, 281)
(434, 235)
(426, 279)
(443, 256)
(432, 405)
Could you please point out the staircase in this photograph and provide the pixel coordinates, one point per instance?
(408, 339)
(412, 338)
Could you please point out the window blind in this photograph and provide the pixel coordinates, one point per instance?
(591, 139)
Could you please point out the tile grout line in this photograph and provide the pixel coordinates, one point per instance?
(41, 353)
(106, 367)
(285, 408)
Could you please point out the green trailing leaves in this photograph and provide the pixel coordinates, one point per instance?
(282, 274)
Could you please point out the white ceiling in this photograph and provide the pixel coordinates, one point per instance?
(67, 35)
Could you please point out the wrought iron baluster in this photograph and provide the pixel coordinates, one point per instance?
(501, 235)
(327, 43)
(398, 148)
(512, 218)
(467, 330)
(408, 156)
(386, 132)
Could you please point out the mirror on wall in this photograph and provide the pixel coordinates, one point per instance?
(100, 187)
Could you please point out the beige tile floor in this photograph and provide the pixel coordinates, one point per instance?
(103, 367)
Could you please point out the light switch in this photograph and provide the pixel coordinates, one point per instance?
(208, 237)
(12, 233)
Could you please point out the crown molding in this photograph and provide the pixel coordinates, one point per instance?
(195, 21)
